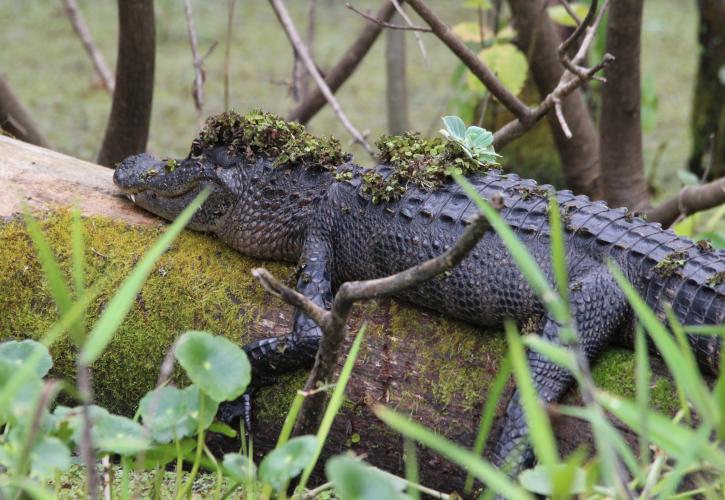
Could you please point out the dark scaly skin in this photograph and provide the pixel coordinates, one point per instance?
(337, 234)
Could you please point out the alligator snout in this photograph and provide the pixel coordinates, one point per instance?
(134, 172)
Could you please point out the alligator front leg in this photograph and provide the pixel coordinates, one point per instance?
(599, 309)
(273, 356)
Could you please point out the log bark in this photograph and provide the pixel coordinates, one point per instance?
(413, 360)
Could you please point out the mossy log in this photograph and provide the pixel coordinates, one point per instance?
(423, 365)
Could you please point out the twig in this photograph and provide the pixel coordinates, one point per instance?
(199, 76)
(300, 77)
(332, 322)
(417, 36)
(582, 28)
(227, 49)
(339, 74)
(562, 121)
(385, 24)
(15, 117)
(570, 11)
(294, 38)
(85, 388)
(81, 29)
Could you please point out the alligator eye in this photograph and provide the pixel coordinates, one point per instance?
(153, 195)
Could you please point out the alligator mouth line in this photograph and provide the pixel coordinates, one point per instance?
(131, 194)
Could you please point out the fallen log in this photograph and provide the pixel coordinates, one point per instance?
(423, 365)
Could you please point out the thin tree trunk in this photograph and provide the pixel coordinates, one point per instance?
(344, 67)
(15, 117)
(128, 124)
(708, 109)
(620, 131)
(397, 87)
(539, 40)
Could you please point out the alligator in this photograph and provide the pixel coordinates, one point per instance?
(338, 228)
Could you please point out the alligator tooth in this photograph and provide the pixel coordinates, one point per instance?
(132, 197)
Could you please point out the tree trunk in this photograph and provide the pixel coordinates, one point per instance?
(15, 117)
(397, 87)
(435, 370)
(538, 39)
(620, 129)
(128, 124)
(708, 109)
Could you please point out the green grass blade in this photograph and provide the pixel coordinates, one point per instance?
(410, 456)
(121, 302)
(522, 257)
(494, 478)
(642, 392)
(78, 270)
(540, 431)
(488, 414)
(673, 438)
(290, 419)
(57, 285)
(558, 258)
(334, 405)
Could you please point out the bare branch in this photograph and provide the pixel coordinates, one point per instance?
(520, 110)
(689, 200)
(407, 19)
(562, 120)
(199, 75)
(294, 38)
(570, 11)
(333, 322)
(516, 128)
(272, 285)
(353, 291)
(227, 49)
(15, 117)
(81, 29)
(344, 67)
(386, 24)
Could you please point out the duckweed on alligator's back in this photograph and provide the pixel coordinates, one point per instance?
(262, 133)
(416, 160)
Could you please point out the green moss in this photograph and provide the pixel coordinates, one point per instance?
(259, 133)
(416, 160)
(454, 361)
(615, 372)
(197, 284)
(671, 263)
(717, 278)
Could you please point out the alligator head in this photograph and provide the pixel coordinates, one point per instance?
(256, 207)
(166, 187)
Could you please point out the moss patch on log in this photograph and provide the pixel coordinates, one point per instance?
(199, 283)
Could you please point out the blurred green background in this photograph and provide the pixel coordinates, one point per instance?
(46, 65)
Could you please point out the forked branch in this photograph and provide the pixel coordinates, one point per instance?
(526, 117)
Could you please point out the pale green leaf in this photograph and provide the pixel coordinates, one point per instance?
(507, 63)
